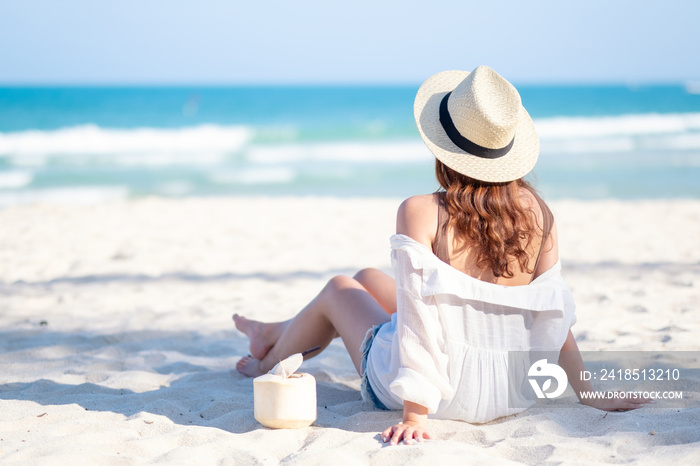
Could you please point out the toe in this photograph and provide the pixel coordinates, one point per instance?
(242, 362)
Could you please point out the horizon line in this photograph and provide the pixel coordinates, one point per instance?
(222, 84)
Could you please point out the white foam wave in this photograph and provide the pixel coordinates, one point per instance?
(625, 125)
(211, 145)
(577, 146)
(619, 134)
(199, 144)
(616, 134)
(687, 141)
(400, 152)
(271, 175)
(15, 179)
(69, 195)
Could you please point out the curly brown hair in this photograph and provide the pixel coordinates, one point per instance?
(491, 218)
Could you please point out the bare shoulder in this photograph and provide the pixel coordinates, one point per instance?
(417, 218)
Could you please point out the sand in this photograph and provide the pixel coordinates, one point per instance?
(117, 346)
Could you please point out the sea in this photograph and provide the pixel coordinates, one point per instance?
(91, 144)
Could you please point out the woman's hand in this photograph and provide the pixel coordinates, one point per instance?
(617, 404)
(409, 431)
(412, 429)
(570, 360)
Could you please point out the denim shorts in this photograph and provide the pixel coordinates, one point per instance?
(366, 389)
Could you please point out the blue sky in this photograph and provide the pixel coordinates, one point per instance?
(360, 41)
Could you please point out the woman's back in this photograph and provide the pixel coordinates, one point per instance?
(425, 219)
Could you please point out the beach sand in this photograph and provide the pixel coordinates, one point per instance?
(117, 346)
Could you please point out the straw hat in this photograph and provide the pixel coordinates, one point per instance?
(480, 129)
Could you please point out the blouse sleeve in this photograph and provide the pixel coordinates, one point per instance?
(422, 377)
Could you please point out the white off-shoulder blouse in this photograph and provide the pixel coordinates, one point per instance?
(446, 347)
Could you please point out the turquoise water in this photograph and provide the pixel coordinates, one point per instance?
(87, 144)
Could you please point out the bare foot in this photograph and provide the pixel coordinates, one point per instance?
(249, 366)
(259, 334)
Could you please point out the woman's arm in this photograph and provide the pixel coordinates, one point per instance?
(570, 357)
(570, 360)
(417, 219)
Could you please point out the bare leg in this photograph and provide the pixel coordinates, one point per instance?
(344, 307)
(381, 286)
(262, 335)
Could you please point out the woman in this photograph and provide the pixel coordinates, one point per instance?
(477, 274)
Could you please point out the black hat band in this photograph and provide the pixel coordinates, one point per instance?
(464, 143)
